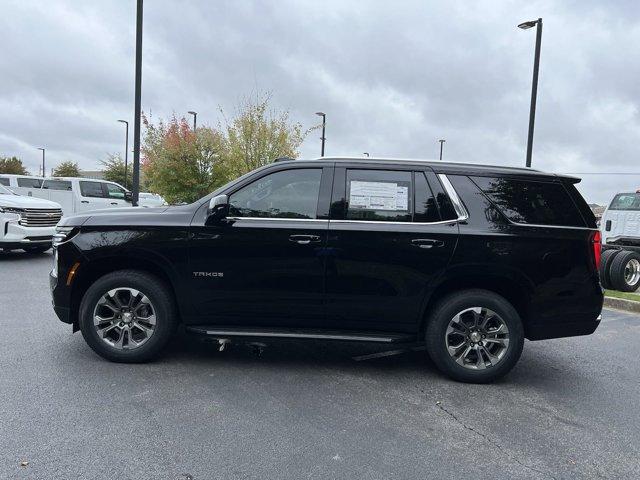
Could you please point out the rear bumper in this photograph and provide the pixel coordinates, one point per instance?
(572, 329)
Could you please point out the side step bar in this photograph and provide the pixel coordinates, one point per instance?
(226, 332)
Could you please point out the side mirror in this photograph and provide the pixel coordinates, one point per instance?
(218, 208)
(128, 197)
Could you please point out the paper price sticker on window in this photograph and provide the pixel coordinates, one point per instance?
(378, 196)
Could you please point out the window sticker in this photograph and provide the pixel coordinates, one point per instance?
(378, 196)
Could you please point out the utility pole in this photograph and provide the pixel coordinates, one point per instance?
(195, 115)
(126, 150)
(43, 170)
(534, 83)
(442, 140)
(324, 121)
(138, 108)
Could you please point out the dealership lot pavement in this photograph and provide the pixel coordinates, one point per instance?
(304, 410)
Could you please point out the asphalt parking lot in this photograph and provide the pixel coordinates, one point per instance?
(304, 410)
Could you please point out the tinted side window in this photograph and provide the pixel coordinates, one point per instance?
(57, 185)
(4, 181)
(379, 195)
(533, 202)
(284, 194)
(29, 182)
(426, 209)
(91, 189)
(114, 191)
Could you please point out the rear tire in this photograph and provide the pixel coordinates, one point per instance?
(481, 356)
(128, 316)
(625, 271)
(605, 267)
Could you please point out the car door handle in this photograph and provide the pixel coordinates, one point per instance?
(114, 203)
(304, 239)
(84, 201)
(426, 243)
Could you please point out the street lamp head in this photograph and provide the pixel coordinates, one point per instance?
(41, 149)
(528, 25)
(321, 114)
(442, 140)
(123, 121)
(192, 112)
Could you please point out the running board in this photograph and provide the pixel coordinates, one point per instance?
(226, 332)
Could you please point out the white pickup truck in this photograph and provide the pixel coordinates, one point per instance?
(74, 194)
(620, 229)
(26, 222)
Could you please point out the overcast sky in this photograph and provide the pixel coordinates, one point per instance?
(393, 77)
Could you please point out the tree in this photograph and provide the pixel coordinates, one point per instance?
(183, 165)
(113, 170)
(180, 164)
(12, 165)
(67, 169)
(259, 135)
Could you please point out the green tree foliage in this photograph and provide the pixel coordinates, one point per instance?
(113, 170)
(67, 169)
(180, 164)
(183, 165)
(12, 165)
(258, 135)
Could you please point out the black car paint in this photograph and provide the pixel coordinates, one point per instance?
(355, 276)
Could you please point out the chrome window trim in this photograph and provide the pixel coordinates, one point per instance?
(279, 219)
(453, 196)
(536, 225)
(384, 222)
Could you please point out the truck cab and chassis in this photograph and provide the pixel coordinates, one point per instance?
(468, 259)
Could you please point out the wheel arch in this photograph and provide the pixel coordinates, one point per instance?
(90, 271)
(506, 286)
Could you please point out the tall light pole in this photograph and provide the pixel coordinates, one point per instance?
(366, 154)
(324, 121)
(43, 174)
(195, 115)
(534, 85)
(135, 187)
(126, 150)
(442, 140)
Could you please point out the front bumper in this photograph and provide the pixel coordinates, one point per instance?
(14, 235)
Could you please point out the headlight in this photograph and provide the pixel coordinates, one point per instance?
(63, 234)
(11, 214)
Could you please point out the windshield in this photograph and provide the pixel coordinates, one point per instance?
(5, 191)
(625, 201)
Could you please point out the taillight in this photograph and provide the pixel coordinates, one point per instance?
(596, 240)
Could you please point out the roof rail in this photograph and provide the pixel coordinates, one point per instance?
(283, 159)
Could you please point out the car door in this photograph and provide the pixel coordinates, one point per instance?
(264, 265)
(115, 194)
(391, 235)
(92, 195)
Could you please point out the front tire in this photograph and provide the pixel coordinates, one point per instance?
(474, 336)
(128, 316)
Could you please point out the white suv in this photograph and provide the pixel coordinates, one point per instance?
(27, 222)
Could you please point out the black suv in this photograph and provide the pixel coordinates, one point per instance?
(469, 259)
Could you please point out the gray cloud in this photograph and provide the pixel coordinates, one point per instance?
(393, 77)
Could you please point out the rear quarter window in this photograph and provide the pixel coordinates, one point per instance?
(532, 202)
(4, 181)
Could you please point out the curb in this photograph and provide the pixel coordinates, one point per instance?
(622, 304)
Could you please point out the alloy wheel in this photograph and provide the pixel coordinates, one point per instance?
(632, 272)
(477, 338)
(124, 318)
